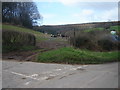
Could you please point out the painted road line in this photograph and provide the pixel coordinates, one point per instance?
(34, 75)
(27, 83)
(24, 75)
(52, 73)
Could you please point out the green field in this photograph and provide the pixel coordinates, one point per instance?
(93, 29)
(70, 55)
(117, 28)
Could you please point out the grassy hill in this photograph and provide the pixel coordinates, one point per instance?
(19, 38)
(67, 55)
(54, 29)
(39, 36)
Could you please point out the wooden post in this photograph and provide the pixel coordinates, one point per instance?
(74, 38)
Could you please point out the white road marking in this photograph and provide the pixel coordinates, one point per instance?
(27, 83)
(51, 73)
(73, 69)
(43, 78)
(34, 75)
(80, 67)
(58, 69)
(24, 75)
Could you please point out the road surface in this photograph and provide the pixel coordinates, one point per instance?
(40, 75)
(0, 73)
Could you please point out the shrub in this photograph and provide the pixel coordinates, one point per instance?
(82, 42)
(14, 40)
(94, 40)
(106, 44)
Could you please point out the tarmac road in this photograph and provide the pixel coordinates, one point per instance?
(39, 75)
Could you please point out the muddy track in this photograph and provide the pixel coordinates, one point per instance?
(31, 55)
(23, 56)
(47, 46)
(52, 44)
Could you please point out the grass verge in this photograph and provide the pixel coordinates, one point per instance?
(70, 55)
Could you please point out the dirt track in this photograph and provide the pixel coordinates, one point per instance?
(52, 44)
(43, 46)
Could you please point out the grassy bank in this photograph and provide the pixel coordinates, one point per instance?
(76, 56)
(39, 36)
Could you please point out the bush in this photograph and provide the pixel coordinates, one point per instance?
(106, 44)
(14, 40)
(82, 41)
(94, 40)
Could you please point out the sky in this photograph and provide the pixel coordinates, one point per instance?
(65, 12)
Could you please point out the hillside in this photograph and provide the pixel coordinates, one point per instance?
(39, 36)
(54, 29)
(42, 40)
(51, 49)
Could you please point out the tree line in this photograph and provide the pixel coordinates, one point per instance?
(20, 13)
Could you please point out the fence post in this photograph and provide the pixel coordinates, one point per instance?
(74, 38)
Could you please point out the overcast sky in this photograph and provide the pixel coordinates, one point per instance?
(66, 12)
